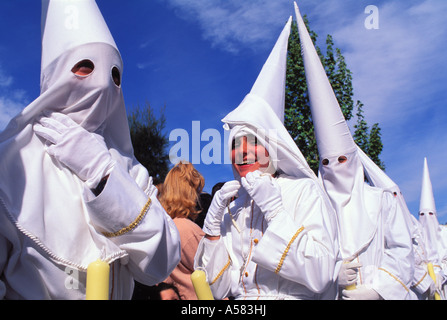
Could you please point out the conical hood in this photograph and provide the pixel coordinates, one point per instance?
(73, 31)
(357, 206)
(331, 130)
(271, 82)
(428, 219)
(256, 113)
(70, 23)
(427, 202)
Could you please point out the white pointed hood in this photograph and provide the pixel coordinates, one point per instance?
(331, 130)
(42, 198)
(262, 111)
(427, 202)
(67, 24)
(357, 205)
(428, 216)
(271, 82)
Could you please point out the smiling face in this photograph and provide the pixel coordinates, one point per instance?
(248, 156)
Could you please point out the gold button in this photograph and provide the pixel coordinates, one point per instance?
(256, 241)
(246, 274)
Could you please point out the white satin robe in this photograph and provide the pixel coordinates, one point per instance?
(295, 257)
(30, 270)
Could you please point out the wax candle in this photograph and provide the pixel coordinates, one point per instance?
(97, 287)
(431, 272)
(351, 287)
(201, 286)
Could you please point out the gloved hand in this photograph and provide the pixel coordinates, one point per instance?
(432, 289)
(265, 192)
(84, 153)
(348, 273)
(436, 287)
(439, 281)
(361, 293)
(220, 201)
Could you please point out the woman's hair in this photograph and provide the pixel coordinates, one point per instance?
(180, 192)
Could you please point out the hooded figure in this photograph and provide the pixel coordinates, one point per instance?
(434, 233)
(71, 191)
(278, 239)
(423, 286)
(375, 241)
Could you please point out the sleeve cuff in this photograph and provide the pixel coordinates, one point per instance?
(120, 206)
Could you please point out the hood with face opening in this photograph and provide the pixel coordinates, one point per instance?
(358, 205)
(255, 117)
(262, 111)
(428, 216)
(38, 194)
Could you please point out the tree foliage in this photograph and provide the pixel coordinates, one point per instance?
(149, 141)
(298, 117)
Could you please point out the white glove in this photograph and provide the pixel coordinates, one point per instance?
(84, 153)
(432, 289)
(265, 192)
(348, 273)
(361, 293)
(439, 282)
(436, 287)
(220, 201)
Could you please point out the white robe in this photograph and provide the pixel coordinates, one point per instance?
(387, 261)
(295, 257)
(51, 224)
(147, 254)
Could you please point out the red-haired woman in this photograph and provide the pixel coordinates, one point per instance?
(180, 195)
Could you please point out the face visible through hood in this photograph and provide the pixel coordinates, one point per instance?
(247, 155)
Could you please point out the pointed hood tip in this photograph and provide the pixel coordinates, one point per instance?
(271, 81)
(427, 202)
(332, 132)
(67, 24)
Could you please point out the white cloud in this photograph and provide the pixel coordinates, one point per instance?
(12, 101)
(8, 109)
(232, 24)
(5, 81)
(399, 73)
(396, 59)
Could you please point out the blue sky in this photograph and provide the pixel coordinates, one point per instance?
(199, 58)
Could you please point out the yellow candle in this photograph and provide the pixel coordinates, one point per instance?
(431, 272)
(97, 287)
(351, 287)
(201, 286)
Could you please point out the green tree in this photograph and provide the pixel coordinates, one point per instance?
(369, 141)
(361, 128)
(297, 115)
(149, 141)
(375, 145)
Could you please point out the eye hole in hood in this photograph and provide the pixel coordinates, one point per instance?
(116, 76)
(83, 68)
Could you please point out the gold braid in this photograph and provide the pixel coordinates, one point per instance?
(133, 225)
